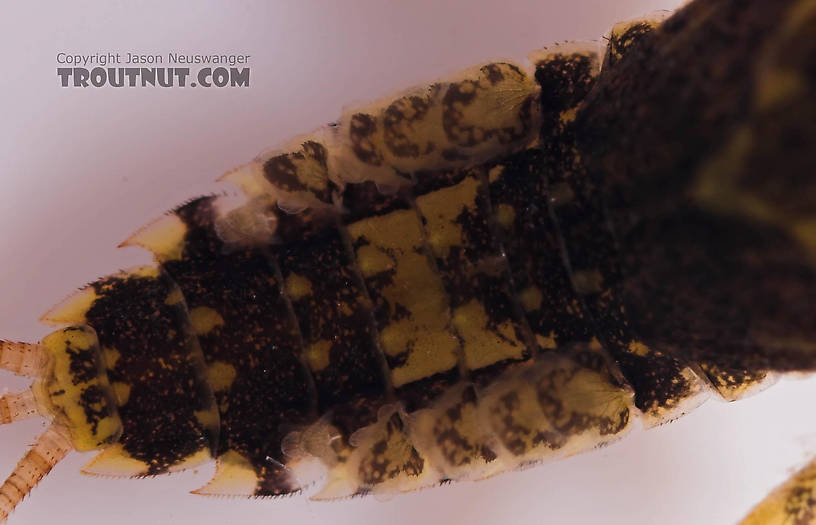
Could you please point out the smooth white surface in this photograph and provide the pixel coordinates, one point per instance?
(81, 169)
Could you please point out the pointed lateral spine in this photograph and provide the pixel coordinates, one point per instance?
(251, 344)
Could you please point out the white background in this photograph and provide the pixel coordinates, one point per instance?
(81, 169)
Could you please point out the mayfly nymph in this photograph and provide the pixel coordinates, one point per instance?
(503, 267)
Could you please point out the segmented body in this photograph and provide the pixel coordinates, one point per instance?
(372, 340)
(430, 332)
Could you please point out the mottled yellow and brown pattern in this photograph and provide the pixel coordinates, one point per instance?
(503, 267)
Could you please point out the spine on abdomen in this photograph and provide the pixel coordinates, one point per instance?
(253, 350)
(156, 370)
